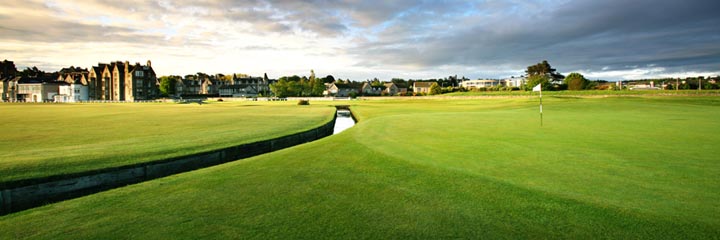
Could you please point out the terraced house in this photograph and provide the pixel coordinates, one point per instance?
(121, 81)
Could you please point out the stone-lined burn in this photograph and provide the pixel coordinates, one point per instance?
(26, 194)
(344, 119)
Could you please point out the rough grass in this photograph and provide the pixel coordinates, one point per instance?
(621, 168)
(40, 140)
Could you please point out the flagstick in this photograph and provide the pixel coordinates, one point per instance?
(541, 118)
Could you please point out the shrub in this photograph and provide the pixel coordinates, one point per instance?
(304, 102)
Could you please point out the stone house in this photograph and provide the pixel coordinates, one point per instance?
(8, 89)
(391, 89)
(340, 89)
(245, 87)
(121, 81)
(369, 90)
(422, 87)
(190, 85)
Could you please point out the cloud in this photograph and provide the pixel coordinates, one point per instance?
(494, 39)
(614, 33)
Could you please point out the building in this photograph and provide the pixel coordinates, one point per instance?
(370, 90)
(121, 81)
(33, 90)
(245, 87)
(75, 87)
(643, 86)
(517, 82)
(189, 85)
(219, 85)
(8, 89)
(402, 88)
(340, 89)
(391, 89)
(72, 92)
(480, 83)
(422, 87)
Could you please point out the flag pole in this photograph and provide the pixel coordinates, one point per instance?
(541, 118)
(538, 88)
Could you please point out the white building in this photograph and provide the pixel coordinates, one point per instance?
(481, 83)
(514, 81)
(72, 93)
(36, 91)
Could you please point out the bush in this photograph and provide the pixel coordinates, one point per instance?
(304, 102)
(219, 100)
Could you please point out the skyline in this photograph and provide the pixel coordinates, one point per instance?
(609, 40)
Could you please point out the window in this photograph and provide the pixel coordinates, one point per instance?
(139, 73)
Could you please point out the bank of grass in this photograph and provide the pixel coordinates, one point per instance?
(40, 140)
(621, 168)
(590, 93)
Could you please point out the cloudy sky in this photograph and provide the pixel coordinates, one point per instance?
(358, 39)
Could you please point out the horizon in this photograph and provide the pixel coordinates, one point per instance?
(618, 40)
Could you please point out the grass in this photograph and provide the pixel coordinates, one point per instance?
(620, 167)
(40, 140)
(587, 93)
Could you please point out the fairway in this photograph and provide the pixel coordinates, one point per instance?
(618, 167)
(41, 140)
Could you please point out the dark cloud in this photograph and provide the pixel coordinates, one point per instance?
(576, 35)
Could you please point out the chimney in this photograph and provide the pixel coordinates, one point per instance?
(149, 64)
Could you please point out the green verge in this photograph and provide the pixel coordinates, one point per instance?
(621, 168)
(41, 140)
(590, 93)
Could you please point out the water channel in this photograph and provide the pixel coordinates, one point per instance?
(343, 121)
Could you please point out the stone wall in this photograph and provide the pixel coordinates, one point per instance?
(36, 192)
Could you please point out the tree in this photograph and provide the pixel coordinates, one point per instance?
(376, 83)
(227, 78)
(167, 85)
(329, 79)
(543, 68)
(317, 87)
(435, 89)
(280, 88)
(534, 80)
(33, 72)
(576, 81)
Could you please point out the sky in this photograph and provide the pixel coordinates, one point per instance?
(362, 39)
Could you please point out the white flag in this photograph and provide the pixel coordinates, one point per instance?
(537, 88)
